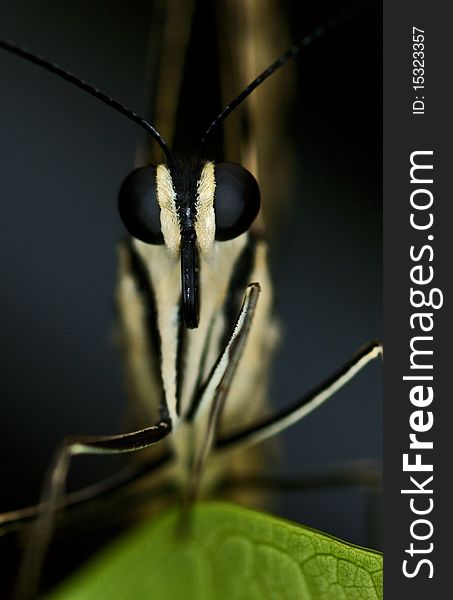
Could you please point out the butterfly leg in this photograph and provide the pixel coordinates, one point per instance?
(54, 489)
(17, 520)
(210, 407)
(286, 417)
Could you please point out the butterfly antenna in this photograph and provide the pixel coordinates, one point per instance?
(293, 51)
(86, 87)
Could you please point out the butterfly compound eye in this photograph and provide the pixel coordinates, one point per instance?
(236, 200)
(138, 205)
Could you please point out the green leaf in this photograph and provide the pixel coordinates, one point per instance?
(231, 553)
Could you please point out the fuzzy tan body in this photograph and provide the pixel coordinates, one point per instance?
(151, 371)
(247, 398)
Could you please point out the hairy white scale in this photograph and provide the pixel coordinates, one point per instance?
(166, 197)
(205, 221)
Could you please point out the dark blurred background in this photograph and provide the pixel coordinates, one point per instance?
(63, 157)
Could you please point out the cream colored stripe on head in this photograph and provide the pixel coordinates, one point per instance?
(205, 222)
(166, 197)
